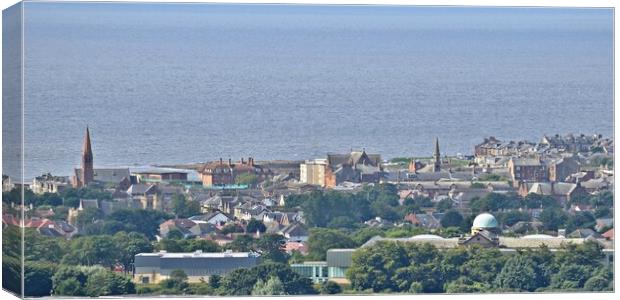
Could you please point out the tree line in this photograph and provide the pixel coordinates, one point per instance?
(396, 267)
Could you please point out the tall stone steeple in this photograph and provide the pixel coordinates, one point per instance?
(88, 173)
(437, 157)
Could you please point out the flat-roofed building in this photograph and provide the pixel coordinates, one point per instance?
(313, 172)
(155, 267)
(160, 175)
(315, 270)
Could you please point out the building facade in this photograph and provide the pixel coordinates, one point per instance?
(155, 267)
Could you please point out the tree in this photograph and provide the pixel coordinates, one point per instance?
(330, 287)
(93, 250)
(273, 286)
(512, 217)
(38, 278)
(175, 234)
(571, 276)
(202, 245)
(11, 272)
(270, 248)
(247, 179)
(214, 281)
(176, 282)
(390, 266)
(254, 226)
(444, 205)
(596, 283)
(184, 208)
(483, 265)
(452, 218)
(322, 239)
(131, 244)
(520, 272)
(232, 228)
(88, 216)
(144, 221)
(552, 218)
(582, 219)
(342, 222)
(105, 283)
(71, 280)
(242, 281)
(242, 243)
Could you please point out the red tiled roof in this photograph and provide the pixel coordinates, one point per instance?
(412, 218)
(10, 220)
(609, 234)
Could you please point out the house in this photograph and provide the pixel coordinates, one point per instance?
(249, 210)
(56, 229)
(427, 221)
(378, 222)
(609, 234)
(563, 192)
(583, 233)
(47, 183)
(282, 218)
(527, 169)
(84, 204)
(598, 184)
(221, 173)
(561, 169)
(151, 268)
(482, 238)
(223, 203)
(295, 232)
(291, 246)
(147, 195)
(186, 227)
(215, 218)
(411, 218)
(356, 166)
(571, 143)
(220, 239)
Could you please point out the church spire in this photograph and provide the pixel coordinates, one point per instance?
(86, 148)
(437, 156)
(87, 160)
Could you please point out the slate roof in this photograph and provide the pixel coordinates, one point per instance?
(89, 203)
(195, 263)
(111, 175)
(584, 233)
(295, 230)
(550, 189)
(520, 161)
(141, 189)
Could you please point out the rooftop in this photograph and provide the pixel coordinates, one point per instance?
(198, 254)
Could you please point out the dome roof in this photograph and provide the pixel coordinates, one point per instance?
(485, 220)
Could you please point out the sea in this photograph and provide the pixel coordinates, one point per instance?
(184, 83)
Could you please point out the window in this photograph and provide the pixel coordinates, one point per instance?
(145, 280)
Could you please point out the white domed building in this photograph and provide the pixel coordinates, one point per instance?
(486, 222)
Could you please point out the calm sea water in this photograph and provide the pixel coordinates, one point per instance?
(174, 83)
